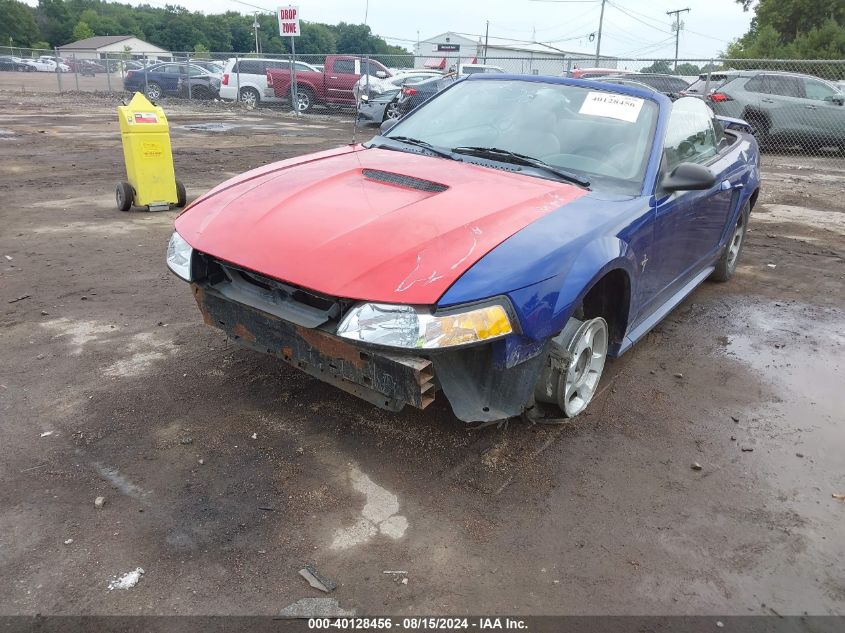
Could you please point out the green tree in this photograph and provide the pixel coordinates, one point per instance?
(316, 38)
(82, 31)
(17, 24)
(659, 66)
(54, 22)
(809, 29)
(688, 69)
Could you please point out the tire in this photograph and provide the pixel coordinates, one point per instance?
(304, 100)
(761, 128)
(181, 194)
(726, 266)
(250, 98)
(153, 91)
(391, 111)
(124, 195)
(571, 383)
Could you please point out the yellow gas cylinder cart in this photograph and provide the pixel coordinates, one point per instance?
(149, 162)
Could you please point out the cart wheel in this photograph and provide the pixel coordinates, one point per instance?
(181, 196)
(124, 195)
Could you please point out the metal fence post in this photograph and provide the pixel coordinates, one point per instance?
(146, 86)
(76, 71)
(58, 70)
(108, 73)
(294, 93)
(238, 78)
(707, 83)
(188, 73)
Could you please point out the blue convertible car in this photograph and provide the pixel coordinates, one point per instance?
(496, 244)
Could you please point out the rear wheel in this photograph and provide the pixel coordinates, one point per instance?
(761, 127)
(250, 97)
(304, 100)
(726, 266)
(124, 195)
(392, 111)
(575, 367)
(181, 194)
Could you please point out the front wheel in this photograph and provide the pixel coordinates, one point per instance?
(576, 363)
(726, 266)
(153, 91)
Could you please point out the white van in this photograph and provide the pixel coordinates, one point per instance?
(251, 75)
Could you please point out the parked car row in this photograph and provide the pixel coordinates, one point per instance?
(23, 64)
(175, 79)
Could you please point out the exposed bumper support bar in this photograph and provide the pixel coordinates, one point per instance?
(388, 381)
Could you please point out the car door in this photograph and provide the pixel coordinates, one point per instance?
(782, 100)
(825, 109)
(689, 224)
(345, 72)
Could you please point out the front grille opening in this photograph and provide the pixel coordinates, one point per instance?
(211, 272)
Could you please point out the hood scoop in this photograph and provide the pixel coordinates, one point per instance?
(399, 180)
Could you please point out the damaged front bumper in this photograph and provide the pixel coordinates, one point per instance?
(479, 386)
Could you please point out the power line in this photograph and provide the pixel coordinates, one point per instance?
(254, 6)
(633, 17)
(644, 49)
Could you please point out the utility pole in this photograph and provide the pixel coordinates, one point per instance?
(256, 26)
(486, 38)
(598, 39)
(677, 26)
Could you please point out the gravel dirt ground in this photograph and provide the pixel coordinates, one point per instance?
(224, 471)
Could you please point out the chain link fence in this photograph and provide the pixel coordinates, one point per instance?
(796, 106)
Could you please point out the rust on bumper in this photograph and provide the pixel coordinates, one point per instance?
(388, 381)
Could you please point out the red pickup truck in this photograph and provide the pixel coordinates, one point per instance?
(333, 85)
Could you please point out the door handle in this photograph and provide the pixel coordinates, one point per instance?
(332, 77)
(767, 100)
(810, 107)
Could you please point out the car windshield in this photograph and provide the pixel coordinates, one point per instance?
(600, 135)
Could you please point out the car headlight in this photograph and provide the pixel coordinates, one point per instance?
(412, 328)
(179, 256)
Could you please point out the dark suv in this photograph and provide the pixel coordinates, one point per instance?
(786, 109)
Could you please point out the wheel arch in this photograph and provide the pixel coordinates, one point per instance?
(601, 283)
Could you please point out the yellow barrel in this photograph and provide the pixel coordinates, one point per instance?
(149, 161)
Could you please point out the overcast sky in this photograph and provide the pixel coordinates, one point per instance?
(631, 27)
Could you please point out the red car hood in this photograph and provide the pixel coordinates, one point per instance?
(369, 224)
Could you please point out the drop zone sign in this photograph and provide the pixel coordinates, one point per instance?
(288, 21)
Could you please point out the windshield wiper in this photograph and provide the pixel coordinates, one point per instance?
(497, 153)
(407, 140)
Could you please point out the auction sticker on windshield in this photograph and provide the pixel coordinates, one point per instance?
(612, 106)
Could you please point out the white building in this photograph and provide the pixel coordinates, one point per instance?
(447, 49)
(100, 46)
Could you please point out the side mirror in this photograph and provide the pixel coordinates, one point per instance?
(688, 177)
(837, 99)
(363, 99)
(381, 74)
(387, 125)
